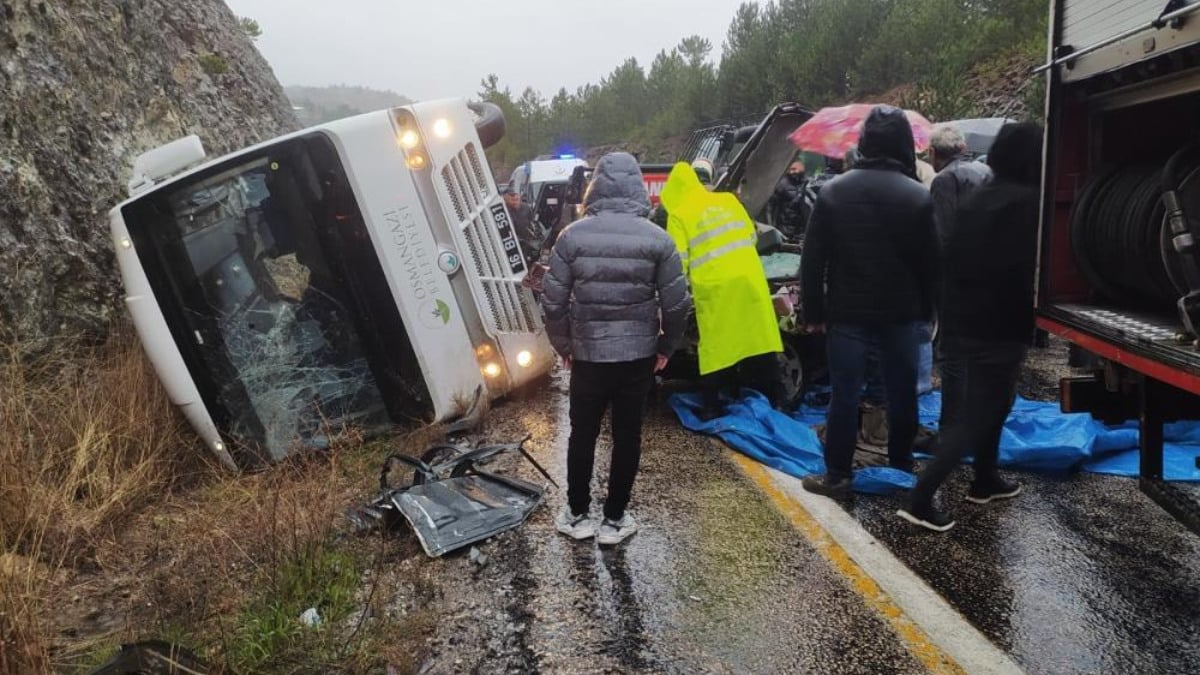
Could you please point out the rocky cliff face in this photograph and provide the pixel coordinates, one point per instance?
(86, 86)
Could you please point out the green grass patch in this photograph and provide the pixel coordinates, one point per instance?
(268, 634)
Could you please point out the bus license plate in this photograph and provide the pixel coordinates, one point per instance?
(508, 238)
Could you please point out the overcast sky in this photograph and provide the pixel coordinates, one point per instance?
(433, 48)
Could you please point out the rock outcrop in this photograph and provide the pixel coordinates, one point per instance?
(86, 86)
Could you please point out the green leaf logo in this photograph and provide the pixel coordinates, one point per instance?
(443, 311)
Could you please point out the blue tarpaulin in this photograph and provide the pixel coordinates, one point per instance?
(1037, 437)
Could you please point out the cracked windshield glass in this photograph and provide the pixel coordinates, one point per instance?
(268, 314)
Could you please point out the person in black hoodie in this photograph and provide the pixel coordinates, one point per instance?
(987, 321)
(868, 277)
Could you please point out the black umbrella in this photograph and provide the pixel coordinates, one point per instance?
(980, 132)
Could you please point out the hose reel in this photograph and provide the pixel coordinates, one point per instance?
(1135, 233)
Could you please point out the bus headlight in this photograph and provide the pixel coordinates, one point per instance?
(442, 128)
(492, 369)
(409, 139)
(524, 358)
(416, 160)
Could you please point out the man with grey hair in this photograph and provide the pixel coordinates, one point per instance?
(957, 175)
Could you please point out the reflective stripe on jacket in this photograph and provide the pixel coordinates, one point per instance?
(716, 242)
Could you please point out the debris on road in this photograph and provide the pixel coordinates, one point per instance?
(473, 417)
(477, 557)
(450, 502)
(310, 618)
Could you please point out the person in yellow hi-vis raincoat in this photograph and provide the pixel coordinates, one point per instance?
(738, 328)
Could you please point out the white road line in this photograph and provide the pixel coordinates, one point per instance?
(948, 629)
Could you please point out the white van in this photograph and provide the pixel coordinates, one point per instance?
(531, 177)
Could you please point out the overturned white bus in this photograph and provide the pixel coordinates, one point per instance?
(355, 274)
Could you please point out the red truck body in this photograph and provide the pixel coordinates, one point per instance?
(1123, 94)
(655, 177)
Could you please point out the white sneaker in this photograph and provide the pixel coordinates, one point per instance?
(616, 531)
(576, 527)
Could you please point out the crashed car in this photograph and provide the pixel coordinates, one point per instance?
(761, 154)
(720, 141)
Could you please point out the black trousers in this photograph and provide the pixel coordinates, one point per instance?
(595, 387)
(979, 383)
(761, 373)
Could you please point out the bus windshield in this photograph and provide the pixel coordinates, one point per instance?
(276, 299)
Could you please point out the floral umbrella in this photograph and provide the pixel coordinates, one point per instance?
(833, 131)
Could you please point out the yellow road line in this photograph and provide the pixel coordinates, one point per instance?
(915, 640)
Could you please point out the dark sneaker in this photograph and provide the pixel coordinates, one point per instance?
(982, 492)
(838, 489)
(929, 517)
(613, 532)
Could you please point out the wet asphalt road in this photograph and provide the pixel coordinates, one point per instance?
(1080, 574)
(715, 580)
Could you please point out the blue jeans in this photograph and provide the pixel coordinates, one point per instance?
(924, 358)
(848, 347)
(875, 393)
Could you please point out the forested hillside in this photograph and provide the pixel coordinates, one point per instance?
(945, 58)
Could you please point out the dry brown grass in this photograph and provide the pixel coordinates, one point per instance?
(116, 525)
(87, 436)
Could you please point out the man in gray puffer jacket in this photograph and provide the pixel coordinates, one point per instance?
(616, 305)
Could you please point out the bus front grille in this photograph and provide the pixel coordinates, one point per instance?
(509, 306)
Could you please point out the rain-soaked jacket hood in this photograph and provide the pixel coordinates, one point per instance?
(682, 182)
(886, 142)
(617, 187)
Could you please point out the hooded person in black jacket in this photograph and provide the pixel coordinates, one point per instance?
(868, 276)
(987, 321)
